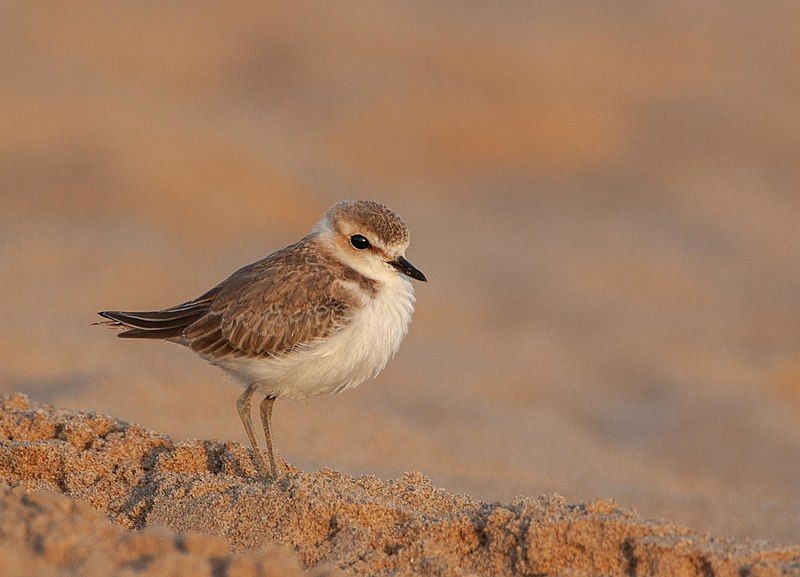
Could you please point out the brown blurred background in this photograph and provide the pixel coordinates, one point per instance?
(605, 200)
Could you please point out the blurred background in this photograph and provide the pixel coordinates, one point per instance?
(605, 199)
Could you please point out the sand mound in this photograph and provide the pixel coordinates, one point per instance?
(48, 534)
(366, 526)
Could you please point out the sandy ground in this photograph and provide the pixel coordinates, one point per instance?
(604, 197)
(141, 480)
(47, 535)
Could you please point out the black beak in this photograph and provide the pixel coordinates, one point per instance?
(408, 269)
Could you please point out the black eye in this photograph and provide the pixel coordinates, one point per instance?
(359, 241)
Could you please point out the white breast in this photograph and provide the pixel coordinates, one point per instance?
(353, 353)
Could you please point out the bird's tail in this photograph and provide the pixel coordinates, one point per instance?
(163, 324)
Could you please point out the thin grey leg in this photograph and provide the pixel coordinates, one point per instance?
(243, 404)
(266, 420)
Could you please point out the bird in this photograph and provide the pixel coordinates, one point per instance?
(319, 316)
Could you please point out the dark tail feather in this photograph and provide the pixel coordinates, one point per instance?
(154, 320)
(150, 334)
(153, 324)
(164, 324)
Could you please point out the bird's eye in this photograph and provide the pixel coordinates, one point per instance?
(359, 241)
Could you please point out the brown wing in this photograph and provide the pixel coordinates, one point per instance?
(289, 299)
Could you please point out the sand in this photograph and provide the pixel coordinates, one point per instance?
(47, 534)
(198, 508)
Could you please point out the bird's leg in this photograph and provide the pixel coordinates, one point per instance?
(243, 404)
(275, 462)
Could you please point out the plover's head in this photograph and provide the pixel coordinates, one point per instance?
(369, 237)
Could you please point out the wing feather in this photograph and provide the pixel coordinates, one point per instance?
(288, 300)
(163, 324)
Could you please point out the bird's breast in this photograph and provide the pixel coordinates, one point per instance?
(377, 329)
